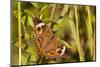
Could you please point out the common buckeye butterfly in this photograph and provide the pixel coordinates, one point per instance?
(47, 43)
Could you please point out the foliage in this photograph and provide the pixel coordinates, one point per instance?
(73, 24)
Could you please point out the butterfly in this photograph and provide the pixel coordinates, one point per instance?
(47, 43)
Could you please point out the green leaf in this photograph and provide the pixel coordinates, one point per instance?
(66, 44)
(43, 9)
(29, 12)
(24, 58)
(31, 49)
(34, 4)
(61, 27)
(22, 45)
(27, 36)
(30, 22)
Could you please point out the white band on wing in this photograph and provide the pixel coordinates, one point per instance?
(39, 25)
(63, 50)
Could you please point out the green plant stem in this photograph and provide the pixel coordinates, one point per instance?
(41, 60)
(19, 30)
(64, 10)
(91, 44)
(53, 10)
(80, 50)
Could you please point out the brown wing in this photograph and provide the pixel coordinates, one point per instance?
(47, 43)
(42, 39)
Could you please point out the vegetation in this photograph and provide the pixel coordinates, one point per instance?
(74, 25)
